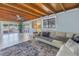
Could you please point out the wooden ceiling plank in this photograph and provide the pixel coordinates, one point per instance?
(41, 5)
(54, 6)
(50, 7)
(14, 11)
(7, 16)
(21, 9)
(4, 11)
(33, 9)
(10, 10)
(62, 6)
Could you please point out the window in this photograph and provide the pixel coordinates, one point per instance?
(49, 23)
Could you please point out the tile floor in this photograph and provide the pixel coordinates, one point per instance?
(12, 39)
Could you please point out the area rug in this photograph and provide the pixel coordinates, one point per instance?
(29, 48)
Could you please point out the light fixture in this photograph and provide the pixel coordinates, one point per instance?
(18, 17)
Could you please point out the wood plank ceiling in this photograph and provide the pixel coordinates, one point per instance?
(32, 10)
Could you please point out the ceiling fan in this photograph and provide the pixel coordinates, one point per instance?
(20, 18)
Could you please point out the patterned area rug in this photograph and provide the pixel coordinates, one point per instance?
(30, 48)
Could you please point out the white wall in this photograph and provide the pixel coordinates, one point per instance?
(68, 21)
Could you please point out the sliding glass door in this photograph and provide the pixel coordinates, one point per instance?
(10, 31)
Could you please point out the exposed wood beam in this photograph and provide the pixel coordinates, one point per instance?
(10, 10)
(29, 7)
(4, 11)
(43, 7)
(16, 12)
(50, 7)
(21, 9)
(62, 6)
(70, 5)
(7, 16)
(35, 6)
(54, 6)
